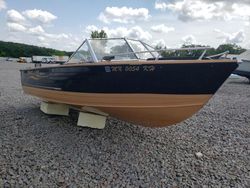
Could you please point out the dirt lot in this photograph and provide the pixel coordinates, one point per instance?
(38, 150)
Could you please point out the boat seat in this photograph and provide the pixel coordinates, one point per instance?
(108, 57)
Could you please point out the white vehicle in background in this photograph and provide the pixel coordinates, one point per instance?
(40, 59)
(49, 59)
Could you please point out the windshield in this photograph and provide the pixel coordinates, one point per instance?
(81, 55)
(138, 46)
(114, 47)
(111, 49)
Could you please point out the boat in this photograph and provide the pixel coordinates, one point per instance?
(244, 65)
(129, 80)
(243, 69)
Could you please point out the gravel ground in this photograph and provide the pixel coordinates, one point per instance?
(38, 150)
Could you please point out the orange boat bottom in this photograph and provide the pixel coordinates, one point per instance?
(150, 110)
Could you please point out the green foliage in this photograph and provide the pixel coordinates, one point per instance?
(2, 54)
(101, 34)
(11, 49)
(232, 48)
(184, 53)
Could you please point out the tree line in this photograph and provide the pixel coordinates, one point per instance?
(16, 50)
(230, 48)
(11, 49)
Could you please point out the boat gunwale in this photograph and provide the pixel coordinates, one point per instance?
(135, 62)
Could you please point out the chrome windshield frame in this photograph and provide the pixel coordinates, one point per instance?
(91, 51)
(126, 40)
(145, 45)
(131, 48)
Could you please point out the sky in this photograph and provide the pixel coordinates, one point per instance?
(64, 24)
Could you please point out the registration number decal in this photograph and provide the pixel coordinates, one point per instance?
(130, 68)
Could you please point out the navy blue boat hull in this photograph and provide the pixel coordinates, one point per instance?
(181, 78)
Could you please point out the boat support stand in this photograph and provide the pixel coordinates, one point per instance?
(88, 117)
